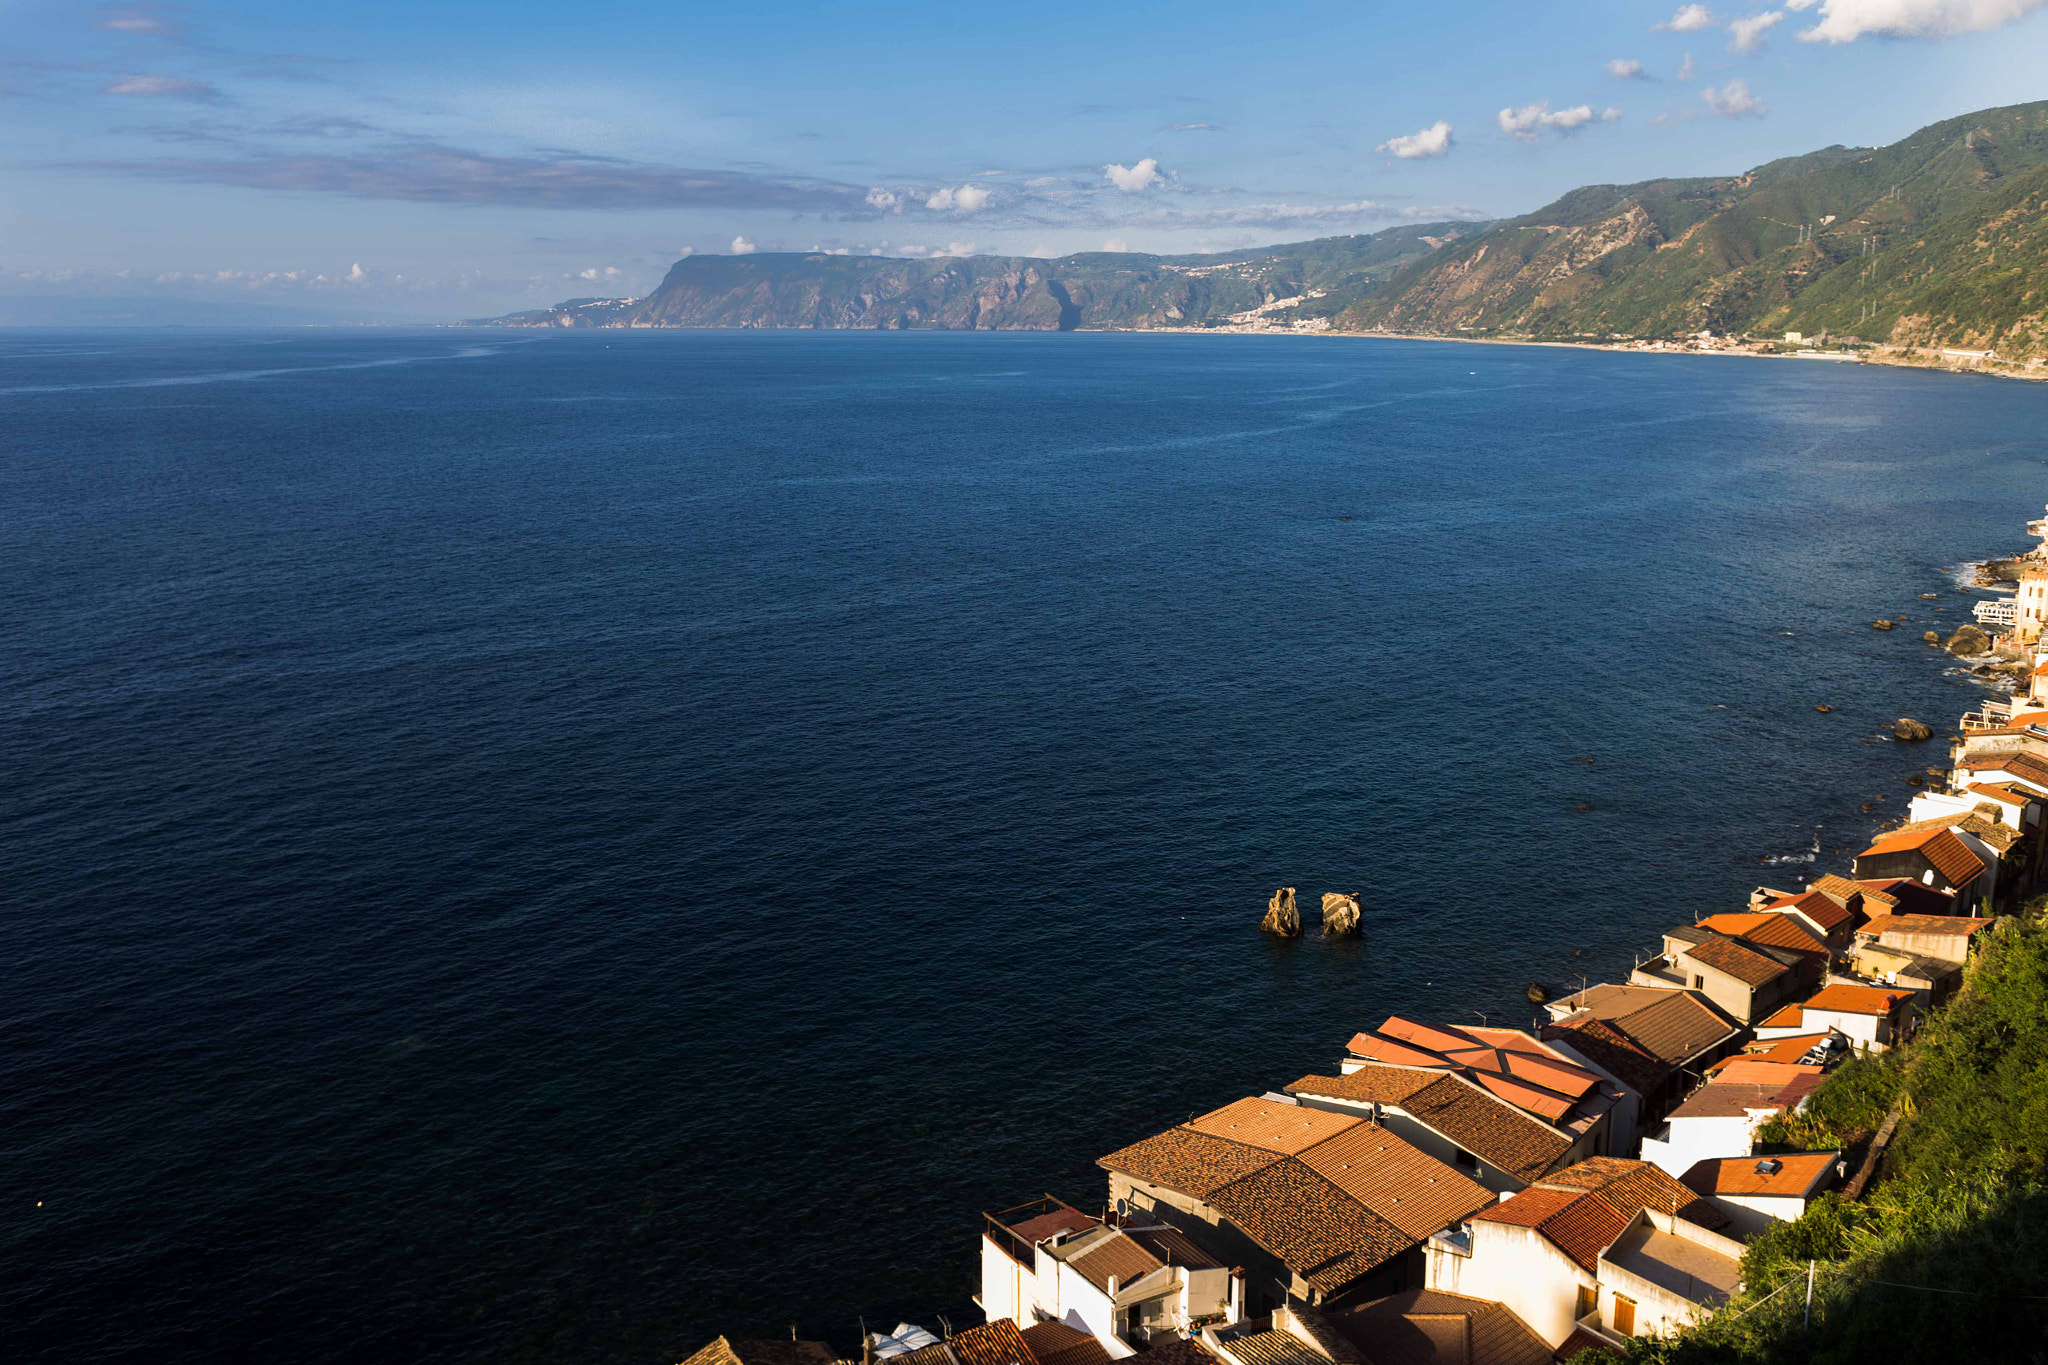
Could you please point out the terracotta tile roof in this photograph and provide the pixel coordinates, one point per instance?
(1173, 1247)
(1272, 1347)
(1927, 924)
(1488, 1128)
(1581, 1341)
(743, 1351)
(1738, 960)
(2022, 766)
(1389, 1050)
(1857, 1000)
(1180, 1351)
(1942, 850)
(1368, 1085)
(1727, 1100)
(1528, 1208)
(993, 1343)
(1797, 1175)
(1432, 1037)
(1792, 1016)
(2008, 793)
(1114, 1254)
(1818, 906)
(1315, 1229)
(1613, 1051)
(1759, 1071)
(1193, 1163)
(1273, 1126)
(1032, 1231)
(1406, 1186)
(2000, 837)
(1431, 1327)
(1584, 1228)
(1632, 1186)
(1677, 1027)
(1055, 1343)
(1773, 930)
(1838, 889)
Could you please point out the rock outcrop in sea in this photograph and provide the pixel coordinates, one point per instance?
(1908, 728)
(1281, 916)
(1341, 914)
(1968, 641)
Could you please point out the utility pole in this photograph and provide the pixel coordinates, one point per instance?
(1808, 1323)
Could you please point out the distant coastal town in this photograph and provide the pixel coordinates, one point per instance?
(1457, 1194)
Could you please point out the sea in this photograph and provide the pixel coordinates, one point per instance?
(550, 847)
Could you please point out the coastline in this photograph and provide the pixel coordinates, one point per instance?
(1903, 358)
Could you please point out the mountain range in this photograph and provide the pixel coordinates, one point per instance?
(1938, 239)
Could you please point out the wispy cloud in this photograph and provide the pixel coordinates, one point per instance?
(1433, 141)
(1627, 69)
(1689, 19)
(1191, 128)
(1131, 179)
(1732, 100)
(1749, 32)
(743, 245)
(1686, 69)
(1844, 21)
(1528, 122)
(143, 20)
(429, 173)
(165, 87)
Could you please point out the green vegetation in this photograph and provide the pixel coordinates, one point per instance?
(1937, 240)
(1947, 1259)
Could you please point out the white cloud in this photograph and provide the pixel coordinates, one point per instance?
(1732, 100)
(1190, 127)
(965, 199)
(1686, 69)
(1749, 33)
(1435, 140)
(1625, 69)
(743, 245)
(1844, 21)
(610, 272)
(1801, 4)
(1530, 120)
(164, 87)
(1689, 19)
(686, 251)
(882, 199)
(356, 273)
(145, 19)
(956, 249)
(1116, 244)
(1131, 179)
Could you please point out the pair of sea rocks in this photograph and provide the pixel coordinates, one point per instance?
(1341, 914)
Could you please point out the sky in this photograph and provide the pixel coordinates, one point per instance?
(444, 158)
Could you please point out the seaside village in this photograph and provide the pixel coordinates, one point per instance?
(1452, 1195)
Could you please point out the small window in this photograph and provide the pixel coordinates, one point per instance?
(1624, 1316)
(1589, 1299)
(1699, 983)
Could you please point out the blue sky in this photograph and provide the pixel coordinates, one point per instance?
(450, 156)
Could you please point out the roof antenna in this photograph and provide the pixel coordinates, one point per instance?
(1482, 1018)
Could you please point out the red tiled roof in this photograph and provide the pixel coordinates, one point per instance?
(1193, 1163)
(1940, 847)
(1745, 964)
(1787, 1049)
(1032, 1231)
(1582, 1210)
(1796, 1176)
(997, 1342)
(1313, 1227)
(1613, 1051)
(1369, 1084)
(1817, 906)
(1488, 1128)
(1792, 1016)
(1055, 1343)
(1857, 1000)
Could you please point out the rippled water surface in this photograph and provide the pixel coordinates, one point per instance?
(548, 848)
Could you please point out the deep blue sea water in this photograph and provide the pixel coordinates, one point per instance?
(549, 848)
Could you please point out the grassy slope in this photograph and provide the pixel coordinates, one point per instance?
(1936, 239)
(1961, 1204)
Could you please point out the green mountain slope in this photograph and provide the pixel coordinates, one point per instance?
(1937, 238)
